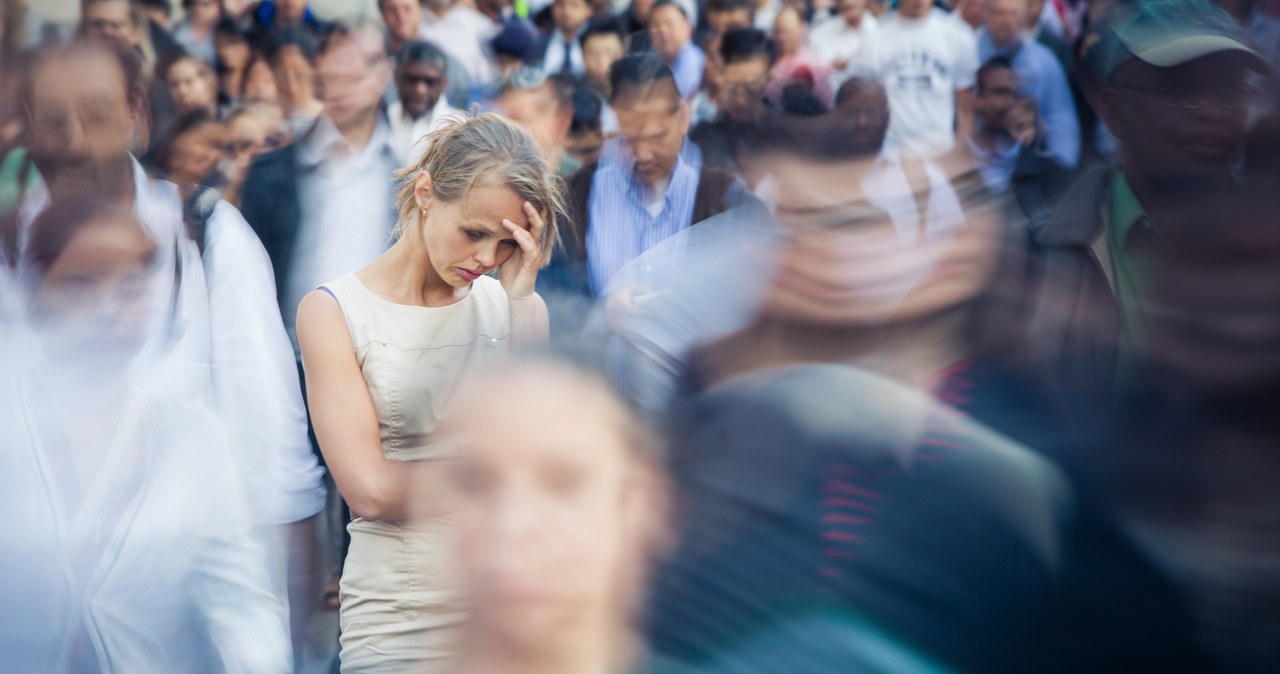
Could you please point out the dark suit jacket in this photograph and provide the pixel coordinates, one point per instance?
(270, 203)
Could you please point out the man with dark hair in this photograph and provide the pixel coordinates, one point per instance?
(1039, 75)
(671, 37)
(865, 104)
(270, 17)
(647, 186)
(561, 50)
(421, 78)
(746, 58)
(586, 133)
(603, 43)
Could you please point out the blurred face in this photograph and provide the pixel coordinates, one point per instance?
(848, 264)
(233, 53)
(110, 20)
(420, 86)
(92, 301)
(291, 10)
(569, 15)
(260, 84)
(599, 54)
(788, 32)
(974, 12)
(723, 22)
(869, 111)
(640, 8)
(295, 78)
(1188, 118)
(352, 77)
(852, 11)
(654, 122)
(194, 155)
(585, 147)
(914, 9)
(249, 136)
(466, 238)
(538, 112)
(234, 8)
(1005, 20)
(192, 86)
(669, 31)
(1022, 122)
(995, 96)
(742, 87)
(551, 508)
(402, 18)
(81, 119)
(202, 12)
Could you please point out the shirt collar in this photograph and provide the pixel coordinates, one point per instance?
(320, 142)
(1124, 211)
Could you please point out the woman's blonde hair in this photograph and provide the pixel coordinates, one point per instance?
(485, 150)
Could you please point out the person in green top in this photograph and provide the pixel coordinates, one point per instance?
(1171, 79)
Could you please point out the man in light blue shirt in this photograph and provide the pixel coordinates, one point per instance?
(672, 38)
(1040, 74)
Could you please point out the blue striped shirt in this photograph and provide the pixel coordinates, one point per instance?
(621, 227)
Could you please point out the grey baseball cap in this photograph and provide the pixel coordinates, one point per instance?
(1167, 33)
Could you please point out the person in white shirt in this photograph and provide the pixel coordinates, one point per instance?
(464, 34)
(926, 64)
(231, 328)
(421, 107)
(837, 42)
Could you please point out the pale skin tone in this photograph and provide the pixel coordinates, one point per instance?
(490, 228)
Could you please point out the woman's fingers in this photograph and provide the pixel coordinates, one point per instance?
(528, 244)
(536, 223)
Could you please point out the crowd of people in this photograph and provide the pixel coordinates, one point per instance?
(663, 336)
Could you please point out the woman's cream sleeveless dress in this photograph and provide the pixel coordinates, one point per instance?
(400, 606)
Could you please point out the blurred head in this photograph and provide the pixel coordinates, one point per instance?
(1006, 19)
(253, 130)
(914, 9)
(859, 254)
(91, 266)
(1187, 118)
(473, 175)
(291, 11)
(117, 20)
(192, 85)
(545, 110)
(202, 12)
(403, 18)
(292, 59)
(746, 55)
(864, 103)
(566, 479)
(234, 8)
(722, 16)
(995, 90)
(789, 31)
(640, 9)
(651, 116)
(231, 46)
(586, 134)
(973, 12)
(852, 11)
(421, 76)
(259, 84)
(602, 45)
(196, 145)
(570, 15)
(353, 72)
(1172, 81)
(669, 29)
(83, 102)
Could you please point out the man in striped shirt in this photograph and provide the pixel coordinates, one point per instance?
(649, 183)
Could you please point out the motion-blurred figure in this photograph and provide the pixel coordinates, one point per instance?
(560, 507)
(137, 547)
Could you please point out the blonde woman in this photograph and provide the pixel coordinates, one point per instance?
(384, 349)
